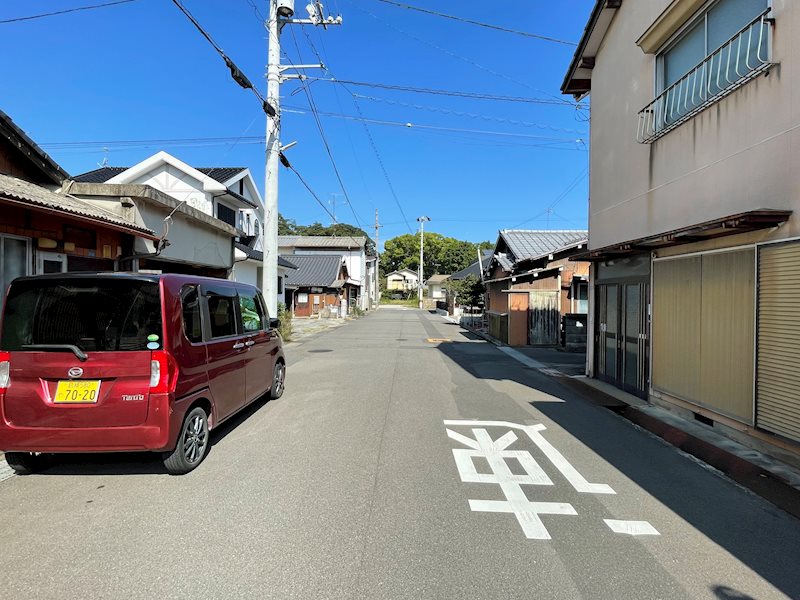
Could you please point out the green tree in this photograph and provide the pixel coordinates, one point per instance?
(443, 254)
(286, 226)
(468, 291)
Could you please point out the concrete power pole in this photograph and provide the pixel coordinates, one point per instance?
(377, 261)
(422, 220)
(280, 14)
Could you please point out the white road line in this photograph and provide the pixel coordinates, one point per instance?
(520, 357)
(631, 527)
(5, 470)
(563, 465)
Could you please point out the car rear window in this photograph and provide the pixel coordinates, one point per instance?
(92, 314)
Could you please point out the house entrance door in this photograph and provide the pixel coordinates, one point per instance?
(621, 348)
(544, 318)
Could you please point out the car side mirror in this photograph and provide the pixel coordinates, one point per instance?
(274, 323)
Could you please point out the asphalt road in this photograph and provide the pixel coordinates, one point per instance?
(348, 487)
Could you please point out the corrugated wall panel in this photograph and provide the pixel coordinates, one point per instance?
(727, 334)
(778, 396)
(676, 326)
(703, 330)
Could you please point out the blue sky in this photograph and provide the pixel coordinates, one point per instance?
(140, 71)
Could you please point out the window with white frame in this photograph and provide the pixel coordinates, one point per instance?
(725, 45)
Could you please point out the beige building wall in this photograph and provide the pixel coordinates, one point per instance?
(739, 154)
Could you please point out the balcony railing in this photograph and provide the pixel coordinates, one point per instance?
(733, 64)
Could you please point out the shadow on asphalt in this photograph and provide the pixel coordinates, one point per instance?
(137, 463)
(666, 476)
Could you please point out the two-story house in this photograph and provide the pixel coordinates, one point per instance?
(694, 243)
(229, 243)
(353, 250)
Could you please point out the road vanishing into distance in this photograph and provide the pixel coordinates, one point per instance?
(407, 459)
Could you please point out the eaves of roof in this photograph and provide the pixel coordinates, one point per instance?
(32, 152)
(25, 193)
(578, 80)
(151, 195)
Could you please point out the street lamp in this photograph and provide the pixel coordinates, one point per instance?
(422, 220)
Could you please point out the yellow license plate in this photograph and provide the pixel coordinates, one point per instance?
(75, 392)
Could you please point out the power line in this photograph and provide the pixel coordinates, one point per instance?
(441, 92)
(460, 113)
(65, 11)
(314, 195)
(318, 121)
(410, 125)
(479, 23)
(452, 54)
(236, 73)
(558, 199)
(372, 143)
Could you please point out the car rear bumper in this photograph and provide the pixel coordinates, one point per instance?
(158, 432)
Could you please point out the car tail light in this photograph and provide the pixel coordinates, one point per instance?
(5, 371)
(163, 372)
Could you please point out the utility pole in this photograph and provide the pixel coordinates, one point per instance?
(422, 220)
(280, 14)
(377, 260)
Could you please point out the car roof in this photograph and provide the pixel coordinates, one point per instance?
(152, 277)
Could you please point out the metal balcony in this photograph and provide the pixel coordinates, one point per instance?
(733, 64)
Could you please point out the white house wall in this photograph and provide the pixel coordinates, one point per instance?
(180, 186)
(189, 242)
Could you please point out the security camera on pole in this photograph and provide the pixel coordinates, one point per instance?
(422, 220)
(281, 12)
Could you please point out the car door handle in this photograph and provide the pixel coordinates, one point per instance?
(249, 343)
(238, 345)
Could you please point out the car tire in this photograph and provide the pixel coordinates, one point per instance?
(192, 444)
(278, 380)
(24, 463)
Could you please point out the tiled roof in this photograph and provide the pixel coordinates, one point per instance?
(525, 244)
(221, 174)
(29, 193)
(505, 262)
(474, 269)
(103, 174)
(241, 198)
(100, 175)
(257, 255)
(320, 241)
(315, 270)
(436, 279)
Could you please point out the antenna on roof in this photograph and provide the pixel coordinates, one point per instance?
(104, 162)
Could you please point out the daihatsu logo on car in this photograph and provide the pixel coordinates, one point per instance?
(75, 372)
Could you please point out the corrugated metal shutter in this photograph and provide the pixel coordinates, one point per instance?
(703, 330)
(778, 394)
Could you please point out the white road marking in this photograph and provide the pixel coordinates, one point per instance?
(520, 357)
(631, 527)
(5, 471)
(496, 453)
(569, 472)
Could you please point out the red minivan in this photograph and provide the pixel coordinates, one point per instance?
(115, 362)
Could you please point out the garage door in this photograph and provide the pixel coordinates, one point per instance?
(778, 396)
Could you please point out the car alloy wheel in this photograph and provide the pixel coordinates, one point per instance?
(195, 439)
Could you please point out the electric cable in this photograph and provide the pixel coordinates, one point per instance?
(65, 11)
(479, 23)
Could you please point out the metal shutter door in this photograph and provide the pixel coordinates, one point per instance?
(778, 404)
